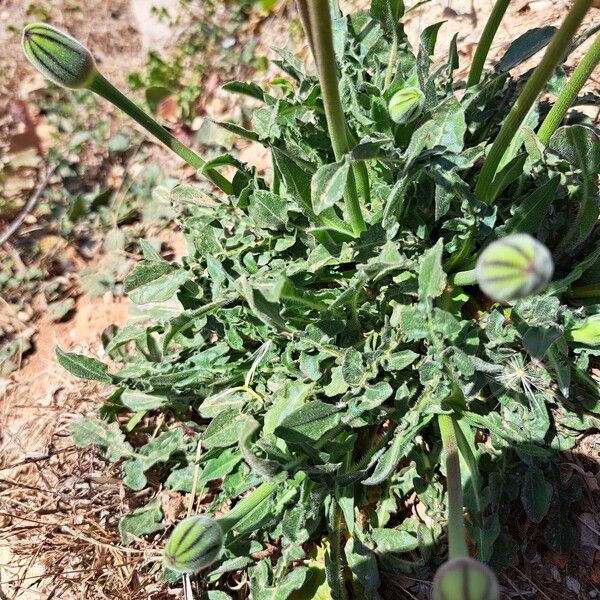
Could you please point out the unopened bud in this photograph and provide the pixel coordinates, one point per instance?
(58, 56)
(406, 105)
(465, 579)
(514, 267)
(195, 543)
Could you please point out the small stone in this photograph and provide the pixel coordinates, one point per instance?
(555, 573)
(573, 584)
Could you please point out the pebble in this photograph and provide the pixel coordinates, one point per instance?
(573, 584)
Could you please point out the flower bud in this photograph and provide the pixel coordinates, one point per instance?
(514, 267)
(586, 332)
(406, 105)
(465, 579)
(195, 543)
(58, 56)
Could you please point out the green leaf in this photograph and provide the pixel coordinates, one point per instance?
(247, 89)
(396, 541)
(328, 185)
(224, 429)
(83, 367)
(268, 210)
(403, 441)
(525, 46)
(142, 521)
(536, 494)
(108, 436)
(432, 279)
(309, 422)
(220, 466)
(511, 171)
(291, 582)
(388, 13)
(136, 400)
(446, 130)
(579, 145)
(363, 563)
(532, 210)
(153, 281)
(261, 466)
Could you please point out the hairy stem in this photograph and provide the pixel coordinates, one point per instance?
(320, 28)
(334, 568)
(464, 278)
(457, 545)
(569, 93)
(107, 90)
(389, 72)
(485, 43)
(585, 291)
(249, 503)
(536, 83)
(302, 9)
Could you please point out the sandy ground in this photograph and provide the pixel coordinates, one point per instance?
(37, 402)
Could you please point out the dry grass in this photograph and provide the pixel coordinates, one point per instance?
(59, 511)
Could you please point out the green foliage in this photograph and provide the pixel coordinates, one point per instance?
(311, 364)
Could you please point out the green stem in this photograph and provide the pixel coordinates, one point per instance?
(302, 9)
(335, 569)
(249, 503)
(320, 27)
(569, 93)
(463, 278)
(265, 489)
(585, 291)
(389, 72)
(536, 83)
(457, 545)
(361, 174)
(485, 43)
(107, 90)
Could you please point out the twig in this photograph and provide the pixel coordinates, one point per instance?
(530, 582)
(29, 206)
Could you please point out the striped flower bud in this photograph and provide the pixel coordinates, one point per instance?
(465, 579)
(514, 267)
(406, 105)
(58, 56)
(195, 543)
(586, 332)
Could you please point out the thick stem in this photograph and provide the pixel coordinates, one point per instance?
(389, 72)
(335, 569)
(249, 503)
(320, 27)
(464, 278)
(536, 83)
(107, 90)
(569, 93)
(457, 545)
(302, 9)
(485, 43)
(585, 291)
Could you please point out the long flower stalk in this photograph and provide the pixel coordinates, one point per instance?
(485, 42)
(457, 545)
(68, 63)
(569, 93)
(534, 86)
(322, 42)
